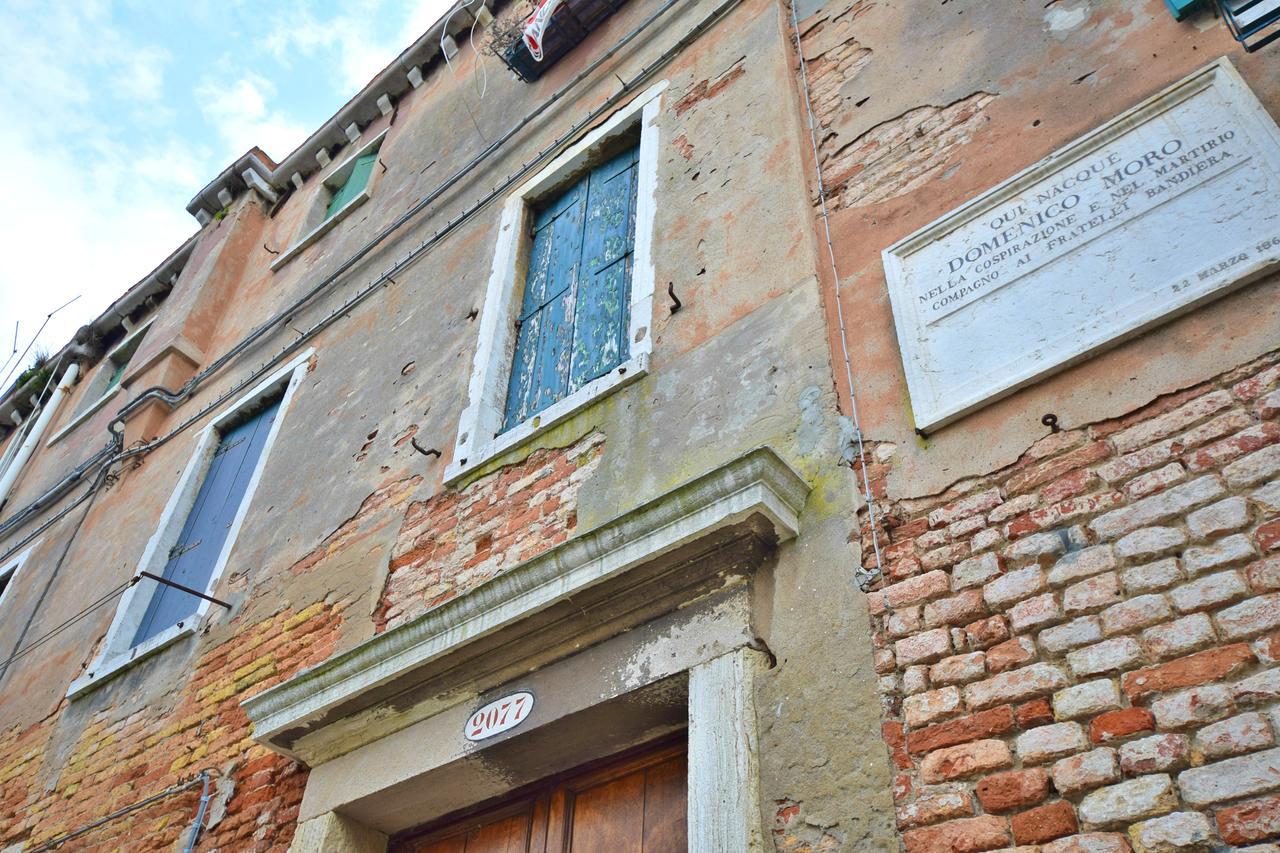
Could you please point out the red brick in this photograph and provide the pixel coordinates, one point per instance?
(917, 589)
(893, 737)
(1147, 430)
(965, 507)
(1012, 790)
(1119, 724)
(1069, 486)
(932, 808)
(957, 610)
(1028, 479)
(1268, 536)
(1045, 823)
(969, 835)
(1254, 438)
(968, 759)
(996, 721)
(1258, 384)
(986, 633)
(1199, 668)
(1264, 575)
(1038, 712)
(1010, 654)
(1255, 820)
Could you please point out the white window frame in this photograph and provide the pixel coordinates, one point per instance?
(108, 361)
(331, 183)
(9, 573)
(480, 434)
(116, 653)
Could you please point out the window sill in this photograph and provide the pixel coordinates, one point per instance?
(83, 416)
(625, 373)
(319, 231)
(109, 668)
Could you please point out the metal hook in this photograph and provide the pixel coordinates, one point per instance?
(1051, 421)
(424, 451)
(676, 304)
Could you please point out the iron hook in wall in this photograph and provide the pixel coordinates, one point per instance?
(1051, 421)
(424, 451)
(676, 304)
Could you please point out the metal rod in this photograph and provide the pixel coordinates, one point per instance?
(198, 823)
(180, 587)
(167, 792)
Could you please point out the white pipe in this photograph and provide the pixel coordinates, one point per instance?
(28, 447)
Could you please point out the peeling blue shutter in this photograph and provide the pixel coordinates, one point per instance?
(356, 182)
(192, 559)
(575, 312)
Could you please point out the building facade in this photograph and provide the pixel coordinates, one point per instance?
(751, 425)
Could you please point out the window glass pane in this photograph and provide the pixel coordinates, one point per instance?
(356, 182)
(192, 558)
(575, 309)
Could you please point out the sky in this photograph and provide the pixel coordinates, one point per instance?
(117, 113)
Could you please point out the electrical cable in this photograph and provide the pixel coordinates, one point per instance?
(867, 496)
(35, 338)
(18, 650)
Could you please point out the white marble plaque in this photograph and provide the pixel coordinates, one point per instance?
(1166, 206)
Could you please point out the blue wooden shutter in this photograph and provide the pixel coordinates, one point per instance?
(356, 182)
(575, 312)
(192, 559)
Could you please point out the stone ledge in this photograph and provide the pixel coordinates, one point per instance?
(758, 484)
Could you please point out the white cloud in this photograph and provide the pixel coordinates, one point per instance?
(141, 74)
(358, 46)
(96, 211)
(242, 114)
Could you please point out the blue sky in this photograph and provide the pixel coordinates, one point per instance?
(117, 113)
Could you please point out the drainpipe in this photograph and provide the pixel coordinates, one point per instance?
(37, 432)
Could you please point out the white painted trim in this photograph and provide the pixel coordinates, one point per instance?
(320, 230)
(116, 655)
(724, 747)
(133, 337)
(336, 174)
(83, 416)
(480, 435)
(10, 571)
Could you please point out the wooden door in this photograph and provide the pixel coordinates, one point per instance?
(632, 805)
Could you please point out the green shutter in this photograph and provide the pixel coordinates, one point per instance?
(356, 182)
(116, 375)
(574, 315)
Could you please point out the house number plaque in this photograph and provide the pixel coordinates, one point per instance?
(499, 716)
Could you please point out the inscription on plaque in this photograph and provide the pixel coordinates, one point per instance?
(1168, 205)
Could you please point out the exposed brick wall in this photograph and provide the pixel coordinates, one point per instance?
(459, 539)
(1083, 650)
(119, 759)
(895, 156)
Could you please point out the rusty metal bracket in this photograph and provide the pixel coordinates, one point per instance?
(179, 587)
